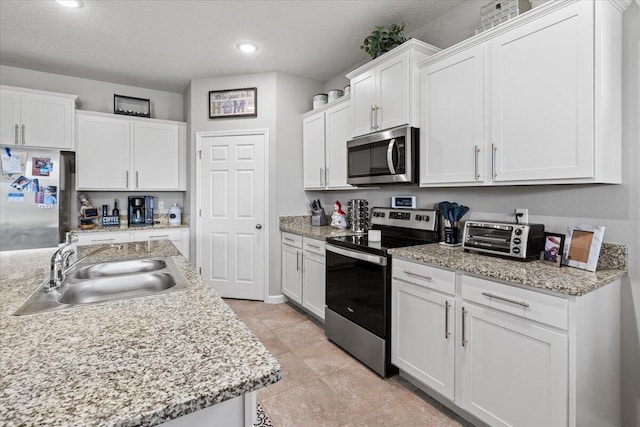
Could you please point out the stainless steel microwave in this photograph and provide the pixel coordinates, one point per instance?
(386, 157)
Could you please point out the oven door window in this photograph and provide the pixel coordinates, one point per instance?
(356, 290)
(490, 238)
(379, 158)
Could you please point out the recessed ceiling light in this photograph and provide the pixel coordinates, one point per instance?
(70, 3)
(247, 47)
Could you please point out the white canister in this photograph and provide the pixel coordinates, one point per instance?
(334, 94)
(319, 100)
(175, 215)
(347, 90)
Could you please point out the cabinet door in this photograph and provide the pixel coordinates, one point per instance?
(392, 88)
(542, 114)
(291, 273)
(452, 129)
(363, 99)
(422, 323)
(10, 118)
(313, 151)
(102, 159)
(313, 282)
(338, 128)
(156, 156)
(47, 121)
(513, 371)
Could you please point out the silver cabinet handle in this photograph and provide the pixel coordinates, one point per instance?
(390, 164)
(520, 303)
(464, 339)
(158, 236)
(477, 151)
(373, 111)
(289, 240)
(102, 240)
(408, 273)
(375, 116)
(494, 148)
(362, 256)
(17, 138)
(137, 179)
(297, 261)
(313, 246)
(321, 177)
(326, 176)
(24, 141)
(127, 179)
(302, 263)
(447, 334)
(259, 226)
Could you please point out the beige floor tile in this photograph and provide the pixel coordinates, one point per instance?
(271, 342)
(280, 318)
(324, 357)
(294, 373)
(300, 334)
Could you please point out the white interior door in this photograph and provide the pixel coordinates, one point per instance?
(232, 234)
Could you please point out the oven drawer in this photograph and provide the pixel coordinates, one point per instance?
(292, 240)
(424, 275)
(537, 306)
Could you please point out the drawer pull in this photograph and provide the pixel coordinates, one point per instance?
(447, 334)
(313, 246)
(464, 339)
(490, 295)
(102, 240)
(158, 236)
(289, 240)
(418, 275)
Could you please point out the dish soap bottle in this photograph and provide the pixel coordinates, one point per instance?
(175, 215)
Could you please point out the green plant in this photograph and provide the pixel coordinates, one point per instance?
(383, 39)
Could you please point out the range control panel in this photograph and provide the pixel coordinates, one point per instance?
(419, 219)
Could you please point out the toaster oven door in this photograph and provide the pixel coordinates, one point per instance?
(492, 237)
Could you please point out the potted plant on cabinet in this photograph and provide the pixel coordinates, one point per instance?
(383, 39)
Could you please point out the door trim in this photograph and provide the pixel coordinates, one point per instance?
(198, 193)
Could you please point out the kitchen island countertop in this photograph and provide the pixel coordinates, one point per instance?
(140, 361)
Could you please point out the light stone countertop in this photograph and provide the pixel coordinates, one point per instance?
(301, 225)
(134, 362)
(162, 219)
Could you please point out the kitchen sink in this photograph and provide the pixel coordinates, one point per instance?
(107, 281)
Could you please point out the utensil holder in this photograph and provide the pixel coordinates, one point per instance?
(451, 235)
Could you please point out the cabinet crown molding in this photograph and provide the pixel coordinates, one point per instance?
(126, 118)
(75, 98)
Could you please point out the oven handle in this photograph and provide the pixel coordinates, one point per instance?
(390, 164)
(374, 259)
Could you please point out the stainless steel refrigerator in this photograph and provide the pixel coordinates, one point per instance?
(36, 189)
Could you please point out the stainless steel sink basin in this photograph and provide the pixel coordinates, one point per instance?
(115, 268)
(107, 281)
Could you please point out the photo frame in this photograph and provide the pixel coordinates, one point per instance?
(232, 103)
(582, 247)
(553, 249)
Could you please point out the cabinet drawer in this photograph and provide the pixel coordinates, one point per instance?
(532, 305)
(99, 238)
(313, 245)
(157, 235)
(424, 275)
(292, 240)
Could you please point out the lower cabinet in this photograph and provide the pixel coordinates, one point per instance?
(179, 237)
(303, 272)
(506, 355)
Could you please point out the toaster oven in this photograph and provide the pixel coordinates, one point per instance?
(520, 241)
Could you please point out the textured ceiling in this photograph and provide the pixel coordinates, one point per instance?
(162, 44)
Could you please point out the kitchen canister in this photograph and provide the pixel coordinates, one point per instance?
(334, 94)
(319, 100)
(175, 215)
(347, 90)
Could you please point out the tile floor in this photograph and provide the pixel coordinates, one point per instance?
(324, 386)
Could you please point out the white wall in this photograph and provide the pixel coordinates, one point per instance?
(617, 207)
(95, 95)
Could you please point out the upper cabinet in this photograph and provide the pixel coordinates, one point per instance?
(494, 112)
(385, 92)
(325, 133)
(33, 118)
(118, 153)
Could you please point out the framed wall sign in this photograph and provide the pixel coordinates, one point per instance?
(233, 103)
(583, 246)
(553, 249)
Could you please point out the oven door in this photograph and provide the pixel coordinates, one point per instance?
(356, 287)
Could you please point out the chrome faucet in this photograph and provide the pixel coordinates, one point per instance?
(60, 263)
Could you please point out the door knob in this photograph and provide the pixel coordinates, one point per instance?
(258, 226)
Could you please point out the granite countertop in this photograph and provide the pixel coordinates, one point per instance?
(564, 280)
(135, 362)
(301, 225)
(162, 222)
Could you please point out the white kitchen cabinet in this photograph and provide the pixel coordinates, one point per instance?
(423, 324)
(385, 92)
(118, 153)
(313, 276)
(292, 266)
(34, 118)
(102, 237)
(325, 134)
(492, 104)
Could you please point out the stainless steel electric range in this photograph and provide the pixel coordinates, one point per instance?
(358, 283)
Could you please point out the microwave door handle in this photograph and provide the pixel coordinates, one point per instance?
(392, 167)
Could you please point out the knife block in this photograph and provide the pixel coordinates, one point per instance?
(318, 218)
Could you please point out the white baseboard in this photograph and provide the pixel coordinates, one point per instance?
(275, 299)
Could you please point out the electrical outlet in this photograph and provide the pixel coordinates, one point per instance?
(524, 218)
(161, 205)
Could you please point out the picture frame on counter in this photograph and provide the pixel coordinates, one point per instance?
(553, 249)
(233, 103)
(582, 247)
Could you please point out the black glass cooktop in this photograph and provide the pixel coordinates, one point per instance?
(361, 242)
